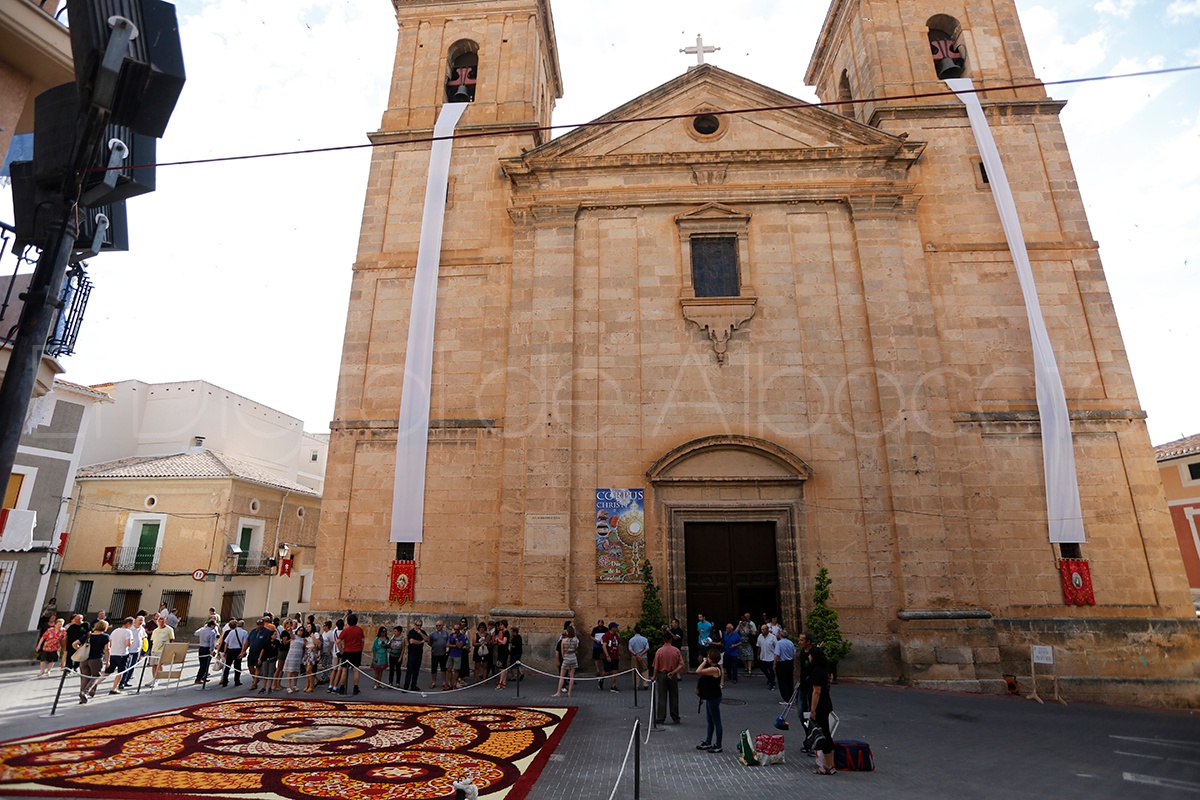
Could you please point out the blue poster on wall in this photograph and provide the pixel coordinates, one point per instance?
(620, 535)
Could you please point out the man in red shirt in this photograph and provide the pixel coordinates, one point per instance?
(610, 643)
(668, 665)
(351, 639)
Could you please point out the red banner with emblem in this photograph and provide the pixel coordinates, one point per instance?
(110, 556)
(404, 575)
(1076, 582)
(285, 567)
(62, 544)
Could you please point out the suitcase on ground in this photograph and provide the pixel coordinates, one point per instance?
(853, 756)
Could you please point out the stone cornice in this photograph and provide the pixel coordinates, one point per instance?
(881, 205)
(463, 133)
(1032, 417)
(994, 109)
(903, 157)
(1002, 247)
(612, 198)
(391, 424)
(545, 215)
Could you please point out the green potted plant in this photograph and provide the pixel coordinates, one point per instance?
(822, 623)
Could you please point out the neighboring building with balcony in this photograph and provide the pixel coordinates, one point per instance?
(34, 515)
(145, 527)
(1179, 467)
(184, 478)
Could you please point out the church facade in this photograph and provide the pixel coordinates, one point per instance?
(745, 346)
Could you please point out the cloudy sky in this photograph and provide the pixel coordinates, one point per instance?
(239, 273)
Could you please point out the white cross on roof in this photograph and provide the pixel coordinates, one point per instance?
(699, 50)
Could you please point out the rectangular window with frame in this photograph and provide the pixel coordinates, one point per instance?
(82, 598)
(715, 266)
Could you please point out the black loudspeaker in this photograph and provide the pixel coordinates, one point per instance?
(35, 205)
(152, 76)
(116, 239)
(27, 207)
(56, 130)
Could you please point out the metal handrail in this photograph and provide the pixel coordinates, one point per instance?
(136, 559)
(255, 562)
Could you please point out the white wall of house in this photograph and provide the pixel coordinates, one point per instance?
(148, 419)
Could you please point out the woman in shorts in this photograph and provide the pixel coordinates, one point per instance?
(570, 660)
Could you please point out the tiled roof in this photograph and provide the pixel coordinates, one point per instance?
(59, 383)
(1180, 447)
(201, 464)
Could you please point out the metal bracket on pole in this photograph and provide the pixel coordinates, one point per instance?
(120, 151)
(97, 241)
(105, 88)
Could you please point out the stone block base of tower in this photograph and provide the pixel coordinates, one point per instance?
(1145, 662)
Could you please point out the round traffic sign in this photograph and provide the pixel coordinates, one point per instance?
(199, 574)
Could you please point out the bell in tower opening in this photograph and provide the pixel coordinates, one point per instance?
(949, 59)
(464, 71)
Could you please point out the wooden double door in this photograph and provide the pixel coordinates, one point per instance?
(732, 568)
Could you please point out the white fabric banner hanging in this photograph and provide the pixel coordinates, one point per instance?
(1058, 453)
(412, 442)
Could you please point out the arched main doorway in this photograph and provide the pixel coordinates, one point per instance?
(729, 511)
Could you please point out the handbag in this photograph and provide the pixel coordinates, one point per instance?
(82, 654)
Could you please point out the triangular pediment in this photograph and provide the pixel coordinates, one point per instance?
(752, 117)
(710, 212)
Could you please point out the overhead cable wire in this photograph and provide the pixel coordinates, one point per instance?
(600, 123)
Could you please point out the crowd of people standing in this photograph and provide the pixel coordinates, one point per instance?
(298, 655)
(102, 648)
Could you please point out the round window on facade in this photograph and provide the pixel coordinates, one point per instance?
(254, 506)
(151, 501)
(300, 512)
(706, 124)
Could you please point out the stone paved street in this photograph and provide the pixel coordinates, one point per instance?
(926, 744)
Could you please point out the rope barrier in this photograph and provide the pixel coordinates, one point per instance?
(426, 692)
(624, 761)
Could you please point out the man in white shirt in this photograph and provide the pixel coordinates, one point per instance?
(639, 650)
(137, 634)
(766, 655)
(119, 643)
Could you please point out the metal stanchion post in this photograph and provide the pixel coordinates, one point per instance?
(142, 675)
(57, 695)
(637, 759)
(517, 680)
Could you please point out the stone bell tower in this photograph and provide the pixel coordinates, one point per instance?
(501, 57)
(887, 62)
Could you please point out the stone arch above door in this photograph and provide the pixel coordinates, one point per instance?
(728, 478)
(728, 458)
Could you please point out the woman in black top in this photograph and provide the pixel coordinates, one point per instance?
(709, 690)
(91, 669)
(516, 648)
(821, 703)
